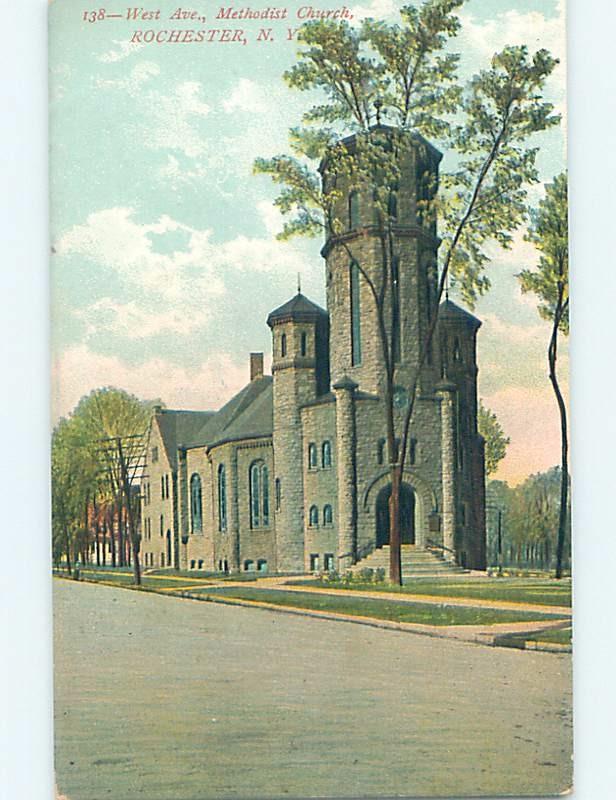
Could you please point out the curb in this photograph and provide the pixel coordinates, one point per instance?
(457, 633)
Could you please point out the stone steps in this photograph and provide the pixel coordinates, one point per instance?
(416, 562)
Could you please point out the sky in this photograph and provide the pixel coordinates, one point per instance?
(164, 259)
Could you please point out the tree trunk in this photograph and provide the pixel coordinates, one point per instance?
(112, 539)
(395, 565)
(121, 544)
(67, 541)
(564, 449)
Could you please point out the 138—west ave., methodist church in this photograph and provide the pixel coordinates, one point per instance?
(291, 475)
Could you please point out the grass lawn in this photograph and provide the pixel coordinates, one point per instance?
(560, 636)
(515, 590)
(437, 614)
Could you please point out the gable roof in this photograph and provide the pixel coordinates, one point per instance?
(249, 414)
(177, 425)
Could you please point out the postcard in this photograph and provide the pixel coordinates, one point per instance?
(310, 457)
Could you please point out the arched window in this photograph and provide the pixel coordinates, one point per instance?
(380, 451)
(326, 454)
(278, 492)
(457, 353)
(312, 456)
(327, 515)
(195, 503)
(255, 495)
(313, 516)
(354, 210)
(222, 498)
(283, 345)
(259, 494)
(248, 565)
(355, 314)
(304, 343)
(265, 493)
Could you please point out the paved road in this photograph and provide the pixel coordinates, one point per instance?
(171, 699)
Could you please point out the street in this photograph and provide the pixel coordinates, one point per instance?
(173, 699)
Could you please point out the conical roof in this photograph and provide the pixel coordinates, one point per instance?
(297, 309)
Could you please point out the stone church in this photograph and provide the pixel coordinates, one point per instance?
(291, 475)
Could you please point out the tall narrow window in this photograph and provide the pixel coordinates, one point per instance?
(167, 486)
(283, 345)
(380, 451)
(457, 353)
(278, 493)
(412, 451)
(222, 498)
(355, 315)
(265, 493)
(259, 495)
(313, 516)
(304, 343)
(196, 503)
(255, 496)
(395, 307)
(392, 204)
(354, 210)
(327, 515)
(162, 486)
(326, 454)
(312, 456)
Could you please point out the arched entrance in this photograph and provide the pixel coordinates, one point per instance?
(407, 515)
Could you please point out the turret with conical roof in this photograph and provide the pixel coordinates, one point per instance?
(300, 366)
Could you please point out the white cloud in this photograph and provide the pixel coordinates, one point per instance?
(77, 371)
(479, 41)
(271, 217)
(170, 116)
(377, 9)
(122, 51)
(247, 96)
(175, 290)
(134, 82)
(131, 321)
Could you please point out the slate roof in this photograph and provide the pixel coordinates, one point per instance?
(449, 311)
(298, 308)
(177, 426)
(249, 414)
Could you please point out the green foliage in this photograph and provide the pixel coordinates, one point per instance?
(530, 519)
(81, 468)
(495, 440)
(549, 232)
(401, 73)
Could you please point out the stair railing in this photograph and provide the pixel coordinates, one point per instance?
(432, 545)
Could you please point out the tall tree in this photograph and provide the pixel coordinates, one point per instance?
(496, 442)
(114, 425)
(549, 232)
(401, 72)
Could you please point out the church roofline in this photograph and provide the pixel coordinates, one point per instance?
(349, 142)
(449, 311)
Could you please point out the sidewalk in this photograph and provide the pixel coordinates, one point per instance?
(491, 635)
(398, 597)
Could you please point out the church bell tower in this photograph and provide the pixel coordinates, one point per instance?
(354, 254)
